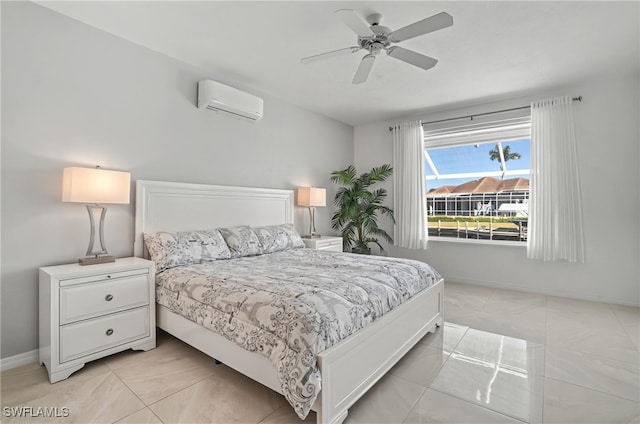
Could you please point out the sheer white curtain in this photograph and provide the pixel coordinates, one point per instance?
(409, 192)
(555, 210)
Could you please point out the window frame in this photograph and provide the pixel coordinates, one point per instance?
(508, 126)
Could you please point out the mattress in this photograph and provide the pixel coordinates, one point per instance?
(291, 305)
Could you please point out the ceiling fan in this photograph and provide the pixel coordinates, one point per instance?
(374, 38)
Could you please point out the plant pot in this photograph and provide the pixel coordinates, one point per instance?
(361, 250)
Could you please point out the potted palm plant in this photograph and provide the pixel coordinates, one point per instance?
(359, 208)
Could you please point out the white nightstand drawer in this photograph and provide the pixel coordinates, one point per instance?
(86, 337)
(102, 277)
(330, 243)
(90, 300)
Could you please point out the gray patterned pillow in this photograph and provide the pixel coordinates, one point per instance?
(278, 237)
(169, 250)
(242, 241)
(206, 246)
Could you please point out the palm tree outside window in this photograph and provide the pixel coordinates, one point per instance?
(503, 155)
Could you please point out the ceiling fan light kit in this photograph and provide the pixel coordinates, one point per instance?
(375, 38)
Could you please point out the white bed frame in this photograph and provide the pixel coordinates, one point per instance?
(349, 368)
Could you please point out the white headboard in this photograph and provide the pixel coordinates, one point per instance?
(167, 206)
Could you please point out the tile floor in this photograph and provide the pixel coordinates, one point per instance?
(501, 357)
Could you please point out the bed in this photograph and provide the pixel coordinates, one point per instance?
(346, 369)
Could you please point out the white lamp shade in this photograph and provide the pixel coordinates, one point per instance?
(312, 196)
(95, 185)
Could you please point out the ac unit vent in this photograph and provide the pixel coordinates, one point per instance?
(218, 97)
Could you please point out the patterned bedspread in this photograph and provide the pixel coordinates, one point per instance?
(292, 305)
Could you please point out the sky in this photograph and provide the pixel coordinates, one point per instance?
(456, 160)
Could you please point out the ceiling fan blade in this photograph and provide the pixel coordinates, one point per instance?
(425, 26)
(362, 73)
(411, 57)
(355, 22)
(327, 55)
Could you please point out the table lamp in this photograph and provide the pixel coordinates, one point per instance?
(96, 187)
(312, 197)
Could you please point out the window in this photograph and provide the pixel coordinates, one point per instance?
(477, 177)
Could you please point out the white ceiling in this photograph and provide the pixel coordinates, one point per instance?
(494, 49)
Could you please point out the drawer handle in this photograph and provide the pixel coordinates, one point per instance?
(108, 298)
(109, 332)
(108, 276)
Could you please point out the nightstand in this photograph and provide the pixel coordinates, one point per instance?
(333, 244)
(88, 312)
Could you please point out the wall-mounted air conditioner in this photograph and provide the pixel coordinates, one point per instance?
(222, 98)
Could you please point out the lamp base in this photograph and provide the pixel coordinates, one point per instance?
(312, 236)
(97, 260)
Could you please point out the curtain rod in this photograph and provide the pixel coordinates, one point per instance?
(575, 99)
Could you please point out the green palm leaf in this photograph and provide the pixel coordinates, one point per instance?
(494, 154)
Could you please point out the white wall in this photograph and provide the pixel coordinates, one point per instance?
(73, 95)
(608, 136)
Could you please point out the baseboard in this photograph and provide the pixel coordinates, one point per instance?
(546, 292)
(19, 360)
